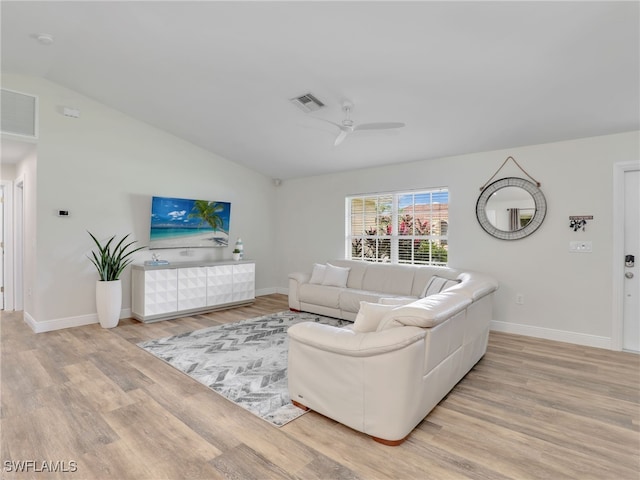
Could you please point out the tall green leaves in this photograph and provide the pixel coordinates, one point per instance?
(112, 260)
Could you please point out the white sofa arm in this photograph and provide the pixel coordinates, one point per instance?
(368, 381)
(300, 277)
(355, 344)
(474, 285)
(295, 280)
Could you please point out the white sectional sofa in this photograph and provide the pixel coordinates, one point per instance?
(403, 354)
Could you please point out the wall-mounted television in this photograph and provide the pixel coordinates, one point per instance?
(184, 223)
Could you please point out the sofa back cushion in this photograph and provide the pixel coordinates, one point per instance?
(405, 280)
(394, 279)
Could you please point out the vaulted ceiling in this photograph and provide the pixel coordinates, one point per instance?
(463, 76)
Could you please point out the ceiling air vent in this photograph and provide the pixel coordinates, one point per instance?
(307, 103)
(19, 113)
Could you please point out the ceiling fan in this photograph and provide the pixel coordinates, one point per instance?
(348, 126)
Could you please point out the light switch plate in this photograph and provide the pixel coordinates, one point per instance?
(581, 246)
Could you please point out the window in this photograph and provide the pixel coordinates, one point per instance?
(398, 227)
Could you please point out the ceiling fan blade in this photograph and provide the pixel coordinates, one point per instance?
(378, 126)
(340, 138)
(328, 121)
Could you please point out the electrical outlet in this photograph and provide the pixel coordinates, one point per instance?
(520, 299)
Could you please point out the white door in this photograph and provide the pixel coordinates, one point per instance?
(631, 289)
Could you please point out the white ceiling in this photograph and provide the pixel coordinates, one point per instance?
(463, 76)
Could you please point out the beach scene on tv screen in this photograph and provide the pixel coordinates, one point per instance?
(184, 223)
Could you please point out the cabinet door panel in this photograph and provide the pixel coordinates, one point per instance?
(192, 288)
(161, 291)
(244, 282)
(219, 285)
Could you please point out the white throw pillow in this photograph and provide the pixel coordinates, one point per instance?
(438, 284)
(317, 276)
(336, 276)
(370, 315)
(389, 321)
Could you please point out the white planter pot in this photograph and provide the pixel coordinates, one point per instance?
(109, 302)
(235, 256)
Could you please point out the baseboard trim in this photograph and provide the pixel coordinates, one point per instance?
(551, 334)
(498, 326)
(265, 291)
(67, 322)
(81, 320)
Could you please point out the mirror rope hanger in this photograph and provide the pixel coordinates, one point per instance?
(503, 164)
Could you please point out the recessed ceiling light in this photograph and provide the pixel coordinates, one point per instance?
(44, 38)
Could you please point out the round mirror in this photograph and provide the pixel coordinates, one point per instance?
(511, 208)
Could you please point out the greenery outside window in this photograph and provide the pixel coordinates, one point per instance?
(398, 227)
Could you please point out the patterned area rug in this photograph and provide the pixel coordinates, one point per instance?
(245, 361)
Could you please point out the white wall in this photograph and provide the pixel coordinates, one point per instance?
(104, 167)
(567, 296)
(7, 171)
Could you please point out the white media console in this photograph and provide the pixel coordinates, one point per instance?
(161, 292)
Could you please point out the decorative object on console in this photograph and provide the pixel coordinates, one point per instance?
(236, 254)
(110, 263)
(155, 260)
(239, 248)
(245, 361)
(511, 208)
(184, 223)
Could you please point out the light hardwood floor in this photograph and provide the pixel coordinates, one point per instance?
(530, 409)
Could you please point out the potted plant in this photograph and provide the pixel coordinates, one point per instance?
(110, 261)
(236, 254)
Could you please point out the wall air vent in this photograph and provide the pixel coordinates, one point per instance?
(19, 114)
(307, 103)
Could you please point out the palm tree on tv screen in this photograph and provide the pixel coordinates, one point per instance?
(208, 212)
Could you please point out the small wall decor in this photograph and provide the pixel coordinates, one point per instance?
(577, 222)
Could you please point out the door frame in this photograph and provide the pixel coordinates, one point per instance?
(619, 170)
(18, 243)
(7, 226)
